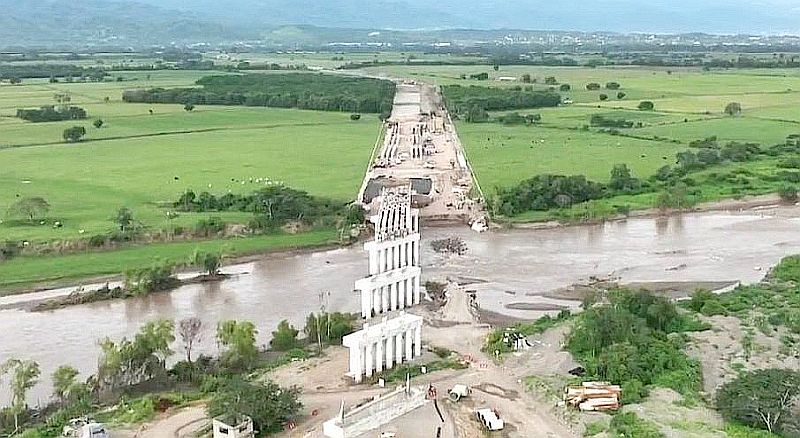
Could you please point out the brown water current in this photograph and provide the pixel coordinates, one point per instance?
(506, 268)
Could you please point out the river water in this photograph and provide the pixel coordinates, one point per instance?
(504, 267)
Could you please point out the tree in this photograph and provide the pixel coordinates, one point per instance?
(64, 380)
(240, 339)
(208, 262)
(124, 219)
(24, 376)
(266, 403)
(74, 134)
(603, 97)
(526, 78)
(550, 80)
(733, 109)
(593, 86)
(565, 87)
(762, 399)
(30, 208)
(621, 95)
(98, 123)
(285, 337)
(477, 114)
(613, 86)
(355, 117)
(130, 362)
(621, 178)
(190, 331)
(188, 107)
(14, 80)
(329, 328)
(646, 105)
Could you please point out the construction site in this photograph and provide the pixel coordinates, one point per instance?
(422, 148)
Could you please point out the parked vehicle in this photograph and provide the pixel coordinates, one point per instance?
(489, 419)
(84, 428)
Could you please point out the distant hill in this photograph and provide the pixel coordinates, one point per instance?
(65, 23)
(142, 22)
(710, 16)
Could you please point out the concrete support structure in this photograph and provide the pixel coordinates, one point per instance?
(382, 346)
(394, 273)
(372, 415)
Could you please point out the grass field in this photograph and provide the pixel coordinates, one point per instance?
(140, 160)
(21, 272)
(689, 106)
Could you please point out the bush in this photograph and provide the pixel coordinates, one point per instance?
(209, 227)
(565, 87)
(646, 105)
(613, 86)
(74, 134)
(355, 117)
(628, 424)
(788, 193)
(593, 86)
(155, 278)
(284, 338)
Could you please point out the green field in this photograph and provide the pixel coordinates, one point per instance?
(689, 106)
(17, 274)
(139, 160)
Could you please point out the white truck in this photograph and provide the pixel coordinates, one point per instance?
(84, 428)
(489, 419)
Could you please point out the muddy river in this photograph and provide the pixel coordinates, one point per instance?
(509, 270)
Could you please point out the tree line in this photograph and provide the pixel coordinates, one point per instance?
(461, 100)
(672, 182)
(52, 113)
(273, 207)
(291, 90)
(39, 71)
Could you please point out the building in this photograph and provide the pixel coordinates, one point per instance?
(233, 426)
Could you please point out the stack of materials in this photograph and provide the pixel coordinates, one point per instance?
(593, 396)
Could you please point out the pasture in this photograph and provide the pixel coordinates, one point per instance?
(689, 105)
(142, 161)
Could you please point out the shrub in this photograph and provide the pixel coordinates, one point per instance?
(593, 86)
(788, 193)
(154, 278)
(284, 337)
(74, 134)
(628, 424)
(355, 117)
(613, 86)
(646, 105)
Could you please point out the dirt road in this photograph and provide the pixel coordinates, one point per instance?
(182, 423)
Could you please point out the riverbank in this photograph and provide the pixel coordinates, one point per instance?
(34, 274)
(745, 203)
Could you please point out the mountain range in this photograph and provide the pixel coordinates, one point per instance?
(142, 22)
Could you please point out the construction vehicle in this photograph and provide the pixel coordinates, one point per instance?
(490, 419)
(458, 392)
